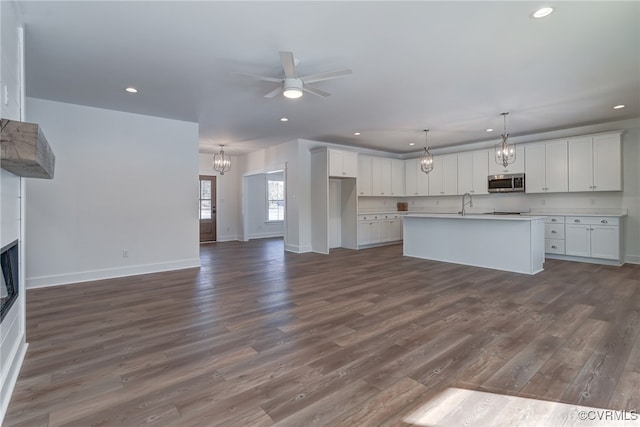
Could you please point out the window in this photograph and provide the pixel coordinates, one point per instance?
(275, 197)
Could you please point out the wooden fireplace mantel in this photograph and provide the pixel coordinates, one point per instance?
(25, 150)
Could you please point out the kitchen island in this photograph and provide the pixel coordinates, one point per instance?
(502, 242)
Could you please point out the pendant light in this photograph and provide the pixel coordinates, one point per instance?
(505, 152)
(426, 161)
(221, 162)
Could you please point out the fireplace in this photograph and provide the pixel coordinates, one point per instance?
(9, 285)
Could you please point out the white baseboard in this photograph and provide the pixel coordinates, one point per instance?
(11, 379)
(297, 249)
(632, 259)
(228, 238)
(110, 273)
(265, 235)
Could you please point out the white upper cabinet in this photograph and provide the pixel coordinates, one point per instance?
(343, 164)
(416, 181)
(381, 181)
(365, 176)
(443, 179)
(595, 163)
(515, 167)
(546, 168)
(397, 178)
(473, 168)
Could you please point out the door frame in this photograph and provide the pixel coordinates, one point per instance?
(214, 200)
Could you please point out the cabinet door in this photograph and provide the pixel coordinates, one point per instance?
(397, 177)
(578, 239)
(581, 164)
(349, 164)
(515, 167)
(465, 173)
(375, 231)
(364, 176)
(607, 170)
(422, 180)
(556, 167)
(395, 229)
(381, 176)
(335, 163)
(411, 177)
(435, 177)
(535, 168)
(605, 241)
(364, 234)
(480, 171)
(450, 174)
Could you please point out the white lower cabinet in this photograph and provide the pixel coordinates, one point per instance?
(554, 236)
(379, 229)
(594, 237)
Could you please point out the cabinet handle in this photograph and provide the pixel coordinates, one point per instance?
(604, 221)
(553, 231)
(553, 220)
(576, 220)
(415, 194)
(591, 186)
(554, 247)
(595, 186)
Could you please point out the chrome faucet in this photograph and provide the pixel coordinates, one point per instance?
(464, 204)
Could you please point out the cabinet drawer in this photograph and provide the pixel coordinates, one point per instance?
(554, 246)
(593, 220)
(554, 231)
(554, 220)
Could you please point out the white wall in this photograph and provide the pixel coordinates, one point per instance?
(259, 227)
(123, 182)
(228, 197)
(12, 329)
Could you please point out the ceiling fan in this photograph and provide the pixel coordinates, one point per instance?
(292, 85)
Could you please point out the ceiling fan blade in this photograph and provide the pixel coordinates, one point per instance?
(288, 65)
(326, 76)
(264, 78)
(315, 91)
(274, 93)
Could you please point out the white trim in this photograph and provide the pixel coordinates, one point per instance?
(265, 235)
(632, 259)
(110, 273)
(587, 260)
(11, 379)
(228, 238)
(297, 249)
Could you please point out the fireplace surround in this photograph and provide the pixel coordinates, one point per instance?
(9, 279)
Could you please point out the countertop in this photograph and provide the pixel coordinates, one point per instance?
(490, 217)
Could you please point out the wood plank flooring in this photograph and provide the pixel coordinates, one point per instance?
(260, 337)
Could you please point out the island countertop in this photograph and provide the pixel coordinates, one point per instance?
(488, 216)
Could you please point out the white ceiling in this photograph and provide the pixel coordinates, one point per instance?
(449, 66)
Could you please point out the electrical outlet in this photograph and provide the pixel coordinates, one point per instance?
(125, 253)
(543, 202)
(5, 94)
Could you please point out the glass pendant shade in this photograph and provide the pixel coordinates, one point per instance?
(426, 161)
(221, 162)
(505, 152)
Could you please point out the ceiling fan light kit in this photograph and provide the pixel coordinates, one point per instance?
(292, 86)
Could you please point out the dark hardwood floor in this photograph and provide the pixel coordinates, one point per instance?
(260, 337)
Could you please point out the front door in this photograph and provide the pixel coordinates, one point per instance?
(207, 208)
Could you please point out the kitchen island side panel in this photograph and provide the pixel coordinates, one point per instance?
(481, 241)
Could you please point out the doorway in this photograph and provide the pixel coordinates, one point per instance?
(207, 208)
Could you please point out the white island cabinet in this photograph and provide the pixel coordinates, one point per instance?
(502, 242)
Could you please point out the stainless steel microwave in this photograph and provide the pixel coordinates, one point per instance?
(507, 183)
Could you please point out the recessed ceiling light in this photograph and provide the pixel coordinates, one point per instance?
(542, 12)
(412, 144)
(131, 90)
(284, 119)
(356, 133)
(490, 130)
(619, 106)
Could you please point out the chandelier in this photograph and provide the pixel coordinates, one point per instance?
(221, 162)
(505, 152)
(426, 161)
